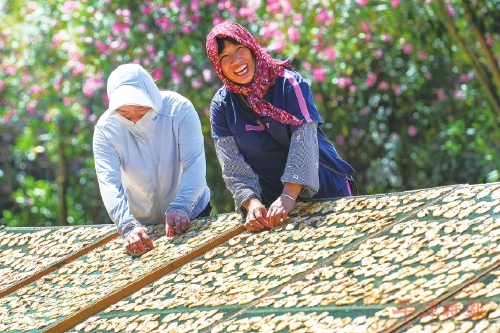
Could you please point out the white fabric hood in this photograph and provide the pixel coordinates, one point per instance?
(131, 84)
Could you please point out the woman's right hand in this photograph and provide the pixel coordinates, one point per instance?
(138, 242)
(256, 216)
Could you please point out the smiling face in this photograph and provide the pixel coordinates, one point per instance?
(237, 63)
(132, 112)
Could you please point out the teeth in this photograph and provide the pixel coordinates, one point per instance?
(240, 69)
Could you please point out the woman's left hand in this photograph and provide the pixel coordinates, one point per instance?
(175, 223)
(279, 210)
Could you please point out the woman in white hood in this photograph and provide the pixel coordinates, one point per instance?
(149, 158)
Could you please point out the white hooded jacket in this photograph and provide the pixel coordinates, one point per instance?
(152, 166)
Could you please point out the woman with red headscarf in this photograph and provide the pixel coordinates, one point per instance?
(265, 127)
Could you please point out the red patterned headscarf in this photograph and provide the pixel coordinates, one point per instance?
(267, 70)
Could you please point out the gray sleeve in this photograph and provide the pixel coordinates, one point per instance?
(240, 179)
(303, 160)
(192, 156)
(107, 165)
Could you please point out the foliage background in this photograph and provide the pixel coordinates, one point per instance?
(408, 89)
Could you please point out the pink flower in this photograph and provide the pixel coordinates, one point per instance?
(318, 97)
(365, 27)
(36, 89)
(464, 78)
(395, 3)
(125, 12)
(196, 84)
(85, 110)
(66, 101)
(362, 3)
(188, 71)
(246, 12)
(353, 88)
(91, 85)
(143, 26)
(207, 75)
(157, 74)
(286, 8)
(412, 131)
(397, 90)
(378, 54)
(440, 94)
(339, 139)
(368, 37)
(269, 30)
(187, 58)
(195, 5)
(278, 46)
(297, 18)
(330, 54)
(450, 9)
(422, 55)
(428, 75)
(10, 70)
(47, 118)
(2, 84)
(32, 5)
(322, 16)
(101, 46)
(31, 109)
(273, 7)
(186, 29)
(163, 23)
(217, 20)
(407, 48)
(383, 85)
(69, 6)
(92, 118)
(355, 131)
(307, 66)
(319, 74)
(176, 78)
(146, 10)
(364, 111)
(458, 94)
(371, 79)
(343, 82)
(489, 41)
(293, 34)
(206, 111)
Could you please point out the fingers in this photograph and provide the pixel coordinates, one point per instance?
(147, 241)
(138, 242)
(251, 227)
(275, 216)
(261, 218)
(176, 222)
(256, 219)
(181, 223)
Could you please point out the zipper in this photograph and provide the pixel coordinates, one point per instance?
(344, 175)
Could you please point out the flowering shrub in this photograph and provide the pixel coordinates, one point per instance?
(401, 98)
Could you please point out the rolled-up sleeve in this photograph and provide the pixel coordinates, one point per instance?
(107, 164)
(303, 160)
(192, 156)
(240, 179)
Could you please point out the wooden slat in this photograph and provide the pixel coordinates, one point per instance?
(134, 286)
(56, 265)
